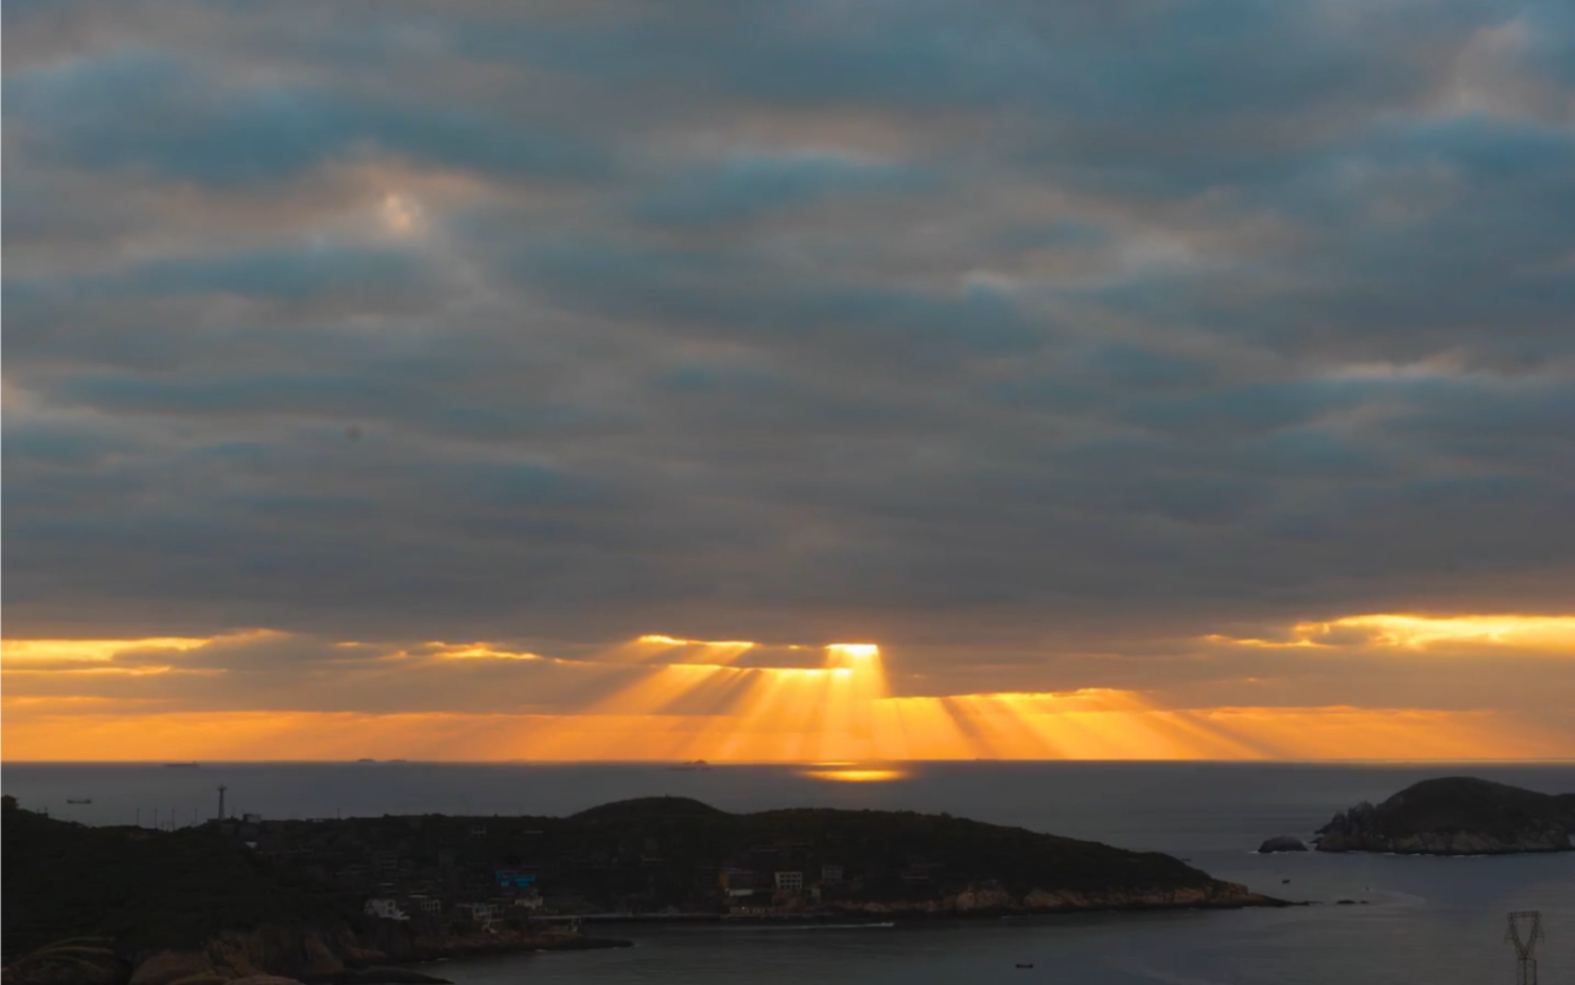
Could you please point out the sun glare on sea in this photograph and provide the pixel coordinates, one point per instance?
(843, 773)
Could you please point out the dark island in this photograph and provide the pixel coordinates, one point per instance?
(319, 899)
(1282, 843)
(1455, 815)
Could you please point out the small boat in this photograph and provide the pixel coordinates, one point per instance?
(83, 800)
(180, 766)
(698, 764)
(1022, 966)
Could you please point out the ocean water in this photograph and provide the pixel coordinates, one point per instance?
(1438, 921)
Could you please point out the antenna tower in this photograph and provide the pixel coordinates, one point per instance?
(1524, 930)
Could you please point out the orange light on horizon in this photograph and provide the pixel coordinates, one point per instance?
(63, 730)
(691, 702)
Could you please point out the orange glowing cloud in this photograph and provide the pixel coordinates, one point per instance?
(476, 651)
(18, 654)
(1546, 634)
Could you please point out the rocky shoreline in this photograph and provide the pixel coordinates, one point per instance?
(979, 902)
(276, 956)
(996, 902)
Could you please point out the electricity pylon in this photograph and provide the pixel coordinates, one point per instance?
(1525, 929)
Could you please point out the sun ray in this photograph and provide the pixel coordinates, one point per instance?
(692, 702)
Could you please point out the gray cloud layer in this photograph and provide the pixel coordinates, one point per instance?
(928, 323)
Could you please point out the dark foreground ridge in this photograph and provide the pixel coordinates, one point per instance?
(1455, 815)
(318, 900)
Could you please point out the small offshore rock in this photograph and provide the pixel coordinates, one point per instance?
(1283, 843)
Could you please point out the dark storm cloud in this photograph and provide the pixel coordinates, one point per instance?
(1008, 325)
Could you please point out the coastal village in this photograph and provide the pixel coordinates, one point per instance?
(488, 873)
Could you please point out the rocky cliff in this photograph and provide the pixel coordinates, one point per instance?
(1454, 816)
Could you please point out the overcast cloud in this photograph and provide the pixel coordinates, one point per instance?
(1033, 341)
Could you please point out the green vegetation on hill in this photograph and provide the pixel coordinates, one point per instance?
(1457, 802)
(1455, 815)
(681, 844)
(143, 888)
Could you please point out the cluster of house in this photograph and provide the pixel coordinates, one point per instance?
(404, 874)
(768, 878)
(750, 891)
(516, 892)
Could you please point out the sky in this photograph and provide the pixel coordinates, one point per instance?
(845, 380)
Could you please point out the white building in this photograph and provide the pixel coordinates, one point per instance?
(385, 909)
(422, 903)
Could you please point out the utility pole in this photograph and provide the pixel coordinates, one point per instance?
(1525, 929)
(222, 788)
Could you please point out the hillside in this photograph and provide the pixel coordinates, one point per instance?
(674, 853)
(146, 889)
(1455, 816)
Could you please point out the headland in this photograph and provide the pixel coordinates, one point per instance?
(316, 899)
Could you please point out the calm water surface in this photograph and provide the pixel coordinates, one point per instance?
(1425, 920)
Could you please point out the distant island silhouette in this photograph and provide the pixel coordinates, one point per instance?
(1455, 815)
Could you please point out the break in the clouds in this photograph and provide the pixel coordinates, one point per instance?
(1052, 346)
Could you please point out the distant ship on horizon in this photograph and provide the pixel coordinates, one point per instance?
(80, 800)
(697, 764)
(181, 766)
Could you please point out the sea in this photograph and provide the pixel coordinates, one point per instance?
(1411, 920)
